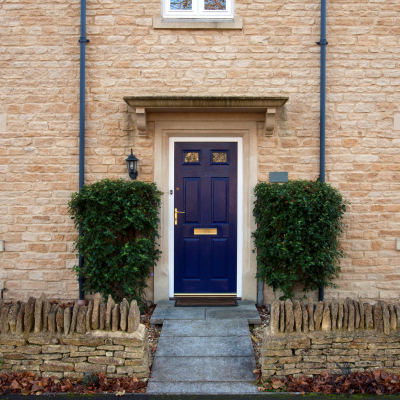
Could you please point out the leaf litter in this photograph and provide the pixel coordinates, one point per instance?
(28, 383)
(367, 382)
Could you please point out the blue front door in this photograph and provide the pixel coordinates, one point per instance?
(205, 189)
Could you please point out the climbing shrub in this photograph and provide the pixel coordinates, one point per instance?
(118, 221)
(297, 239)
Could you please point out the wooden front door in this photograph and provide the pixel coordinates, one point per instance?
(205, 188)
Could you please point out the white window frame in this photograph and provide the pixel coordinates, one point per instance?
(198, 11)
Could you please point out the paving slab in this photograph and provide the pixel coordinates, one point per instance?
(166, 304)
(201, 388)
(246, 303)
(238, 346)
(203, 369)
(160, 315)
(209, 327)
(166, 310)
(249, 313)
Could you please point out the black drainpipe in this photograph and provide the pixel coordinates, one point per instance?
(323, 43)
(82, 41)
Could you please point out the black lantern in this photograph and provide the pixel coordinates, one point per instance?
(131, 162)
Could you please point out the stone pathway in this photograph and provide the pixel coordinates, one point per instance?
(204, 350)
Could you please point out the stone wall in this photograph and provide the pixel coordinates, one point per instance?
(301, 340)
(52, 341)
(274, 53)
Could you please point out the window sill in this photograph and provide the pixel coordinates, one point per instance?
(197, 23)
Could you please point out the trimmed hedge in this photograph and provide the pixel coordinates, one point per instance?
(119, 221)
(297, 239)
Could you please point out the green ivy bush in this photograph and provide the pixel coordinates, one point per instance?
(297, 239)
(118, 221)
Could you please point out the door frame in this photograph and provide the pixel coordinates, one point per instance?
(164, 125)
(171, 226)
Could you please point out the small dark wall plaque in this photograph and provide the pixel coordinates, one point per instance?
(278, 177)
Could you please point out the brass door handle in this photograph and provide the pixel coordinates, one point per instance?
(176, 215)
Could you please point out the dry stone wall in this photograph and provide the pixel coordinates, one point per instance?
(303, 339)
(67, 342)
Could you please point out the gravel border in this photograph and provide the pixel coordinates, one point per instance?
(257, 333)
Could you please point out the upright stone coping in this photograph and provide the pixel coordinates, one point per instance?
(67, 345)
(344, 315)
(38, 316)
(347, 331)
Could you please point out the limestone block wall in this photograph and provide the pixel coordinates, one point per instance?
(316, 352)
(52, 341)
(274, 54)
(310, 340)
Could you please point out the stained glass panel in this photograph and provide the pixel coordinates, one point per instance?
(180, 5)
(215, 4)
(219, 157)
(192, 156)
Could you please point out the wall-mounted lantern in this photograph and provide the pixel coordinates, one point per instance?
(131, 162)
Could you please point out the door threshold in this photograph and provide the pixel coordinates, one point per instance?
(178, 295)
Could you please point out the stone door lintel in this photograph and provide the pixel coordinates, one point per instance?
(143, 104)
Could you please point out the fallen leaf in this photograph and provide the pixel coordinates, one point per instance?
(384, 375)
(121, 393)
(15, 385)
(35, 388)
(277, 384)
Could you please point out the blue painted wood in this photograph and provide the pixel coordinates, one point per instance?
(207, 193)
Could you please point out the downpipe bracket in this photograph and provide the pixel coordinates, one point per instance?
(323, 42)
(83, 40)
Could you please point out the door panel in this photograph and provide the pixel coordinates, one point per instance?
(192, 199)
(192, 258)
(220, 199)
(219, 259)
(205, 189)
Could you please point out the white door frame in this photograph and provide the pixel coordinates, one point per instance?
(171, 226)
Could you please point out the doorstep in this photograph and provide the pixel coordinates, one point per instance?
(166, 310)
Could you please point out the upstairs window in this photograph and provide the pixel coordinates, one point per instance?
(198, 9)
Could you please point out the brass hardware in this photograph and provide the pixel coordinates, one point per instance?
(176, 215)
(177, 189)
(209, 231)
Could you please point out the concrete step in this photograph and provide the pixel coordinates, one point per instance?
(200, 328)
(203, 369)
(243, 311)
(238, 346)
(218, 388)
(166, 310)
